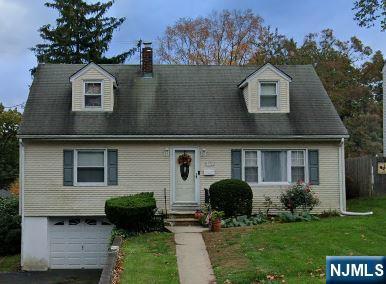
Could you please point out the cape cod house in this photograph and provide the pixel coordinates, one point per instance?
(92, 131)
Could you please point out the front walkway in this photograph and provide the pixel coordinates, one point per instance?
(192, 258)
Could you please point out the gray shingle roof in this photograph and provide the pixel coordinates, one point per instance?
(178, 100)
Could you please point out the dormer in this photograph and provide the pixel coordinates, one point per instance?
(92, 89)
(266, 90)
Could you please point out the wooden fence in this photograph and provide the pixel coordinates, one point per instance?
(365, 176)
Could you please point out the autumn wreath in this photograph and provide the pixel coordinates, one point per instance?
(184, 159)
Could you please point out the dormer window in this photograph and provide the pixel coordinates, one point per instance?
(268, 95)
(93, 94)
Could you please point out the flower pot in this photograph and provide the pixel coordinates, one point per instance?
(198, 215)
(216, 225)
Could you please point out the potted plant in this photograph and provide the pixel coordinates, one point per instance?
(198, 214)
(215, 220)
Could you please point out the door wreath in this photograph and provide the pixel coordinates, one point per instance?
(184, 160)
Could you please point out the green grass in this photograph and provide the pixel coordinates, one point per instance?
(296, 252)
(9, 263)
(150, 258)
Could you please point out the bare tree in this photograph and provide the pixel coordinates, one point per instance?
(223, 38)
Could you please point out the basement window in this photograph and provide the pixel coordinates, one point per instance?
(92, 94)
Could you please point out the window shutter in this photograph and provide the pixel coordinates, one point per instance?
(68, 167)
(313, 166)
(236, 164)
(112, 167)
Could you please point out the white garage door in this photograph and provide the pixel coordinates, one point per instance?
(79, 242)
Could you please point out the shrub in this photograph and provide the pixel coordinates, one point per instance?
(287, 217)
(10, 226)
(244, 221)
(299, 195)
(134, 213)
(233, 197)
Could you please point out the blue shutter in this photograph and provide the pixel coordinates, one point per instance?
(68, 167)
(313, 166)
(112, 167)
(236, 164)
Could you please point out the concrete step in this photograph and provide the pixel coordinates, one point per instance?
(181, 214)
(181, 222)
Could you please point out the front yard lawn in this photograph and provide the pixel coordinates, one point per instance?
(149, 258)
(296, 252)
(9, 263)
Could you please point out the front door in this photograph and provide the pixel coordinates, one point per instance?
(185, 176)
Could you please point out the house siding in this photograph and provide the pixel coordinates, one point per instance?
(78, 86)
(283, 91)
(142, 166)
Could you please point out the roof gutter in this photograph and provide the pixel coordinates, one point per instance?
(187, 137)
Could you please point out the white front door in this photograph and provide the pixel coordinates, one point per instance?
(185, 176)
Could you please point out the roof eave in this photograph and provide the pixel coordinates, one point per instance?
(186, 137)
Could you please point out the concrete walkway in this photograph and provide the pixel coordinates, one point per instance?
(192, 258)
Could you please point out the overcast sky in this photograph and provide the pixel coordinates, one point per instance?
(20, 20)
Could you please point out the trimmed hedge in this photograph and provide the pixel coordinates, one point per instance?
(232, 196)
(134, 213)
(10, 226)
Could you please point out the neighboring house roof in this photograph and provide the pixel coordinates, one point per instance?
(5, 193)
(180, 100)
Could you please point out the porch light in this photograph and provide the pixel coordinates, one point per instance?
(166, 152)
(203, 153)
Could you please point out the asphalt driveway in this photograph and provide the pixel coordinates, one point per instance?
(55, 276)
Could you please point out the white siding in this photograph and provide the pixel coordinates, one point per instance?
(78, 90)
(142, 166)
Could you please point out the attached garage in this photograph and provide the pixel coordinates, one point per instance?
(78, 242)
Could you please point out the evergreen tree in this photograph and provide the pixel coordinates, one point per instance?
(82, 34)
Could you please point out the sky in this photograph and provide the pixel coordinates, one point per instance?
(21, 19)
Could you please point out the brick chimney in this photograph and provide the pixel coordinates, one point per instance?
(147, 60)
(384, 110)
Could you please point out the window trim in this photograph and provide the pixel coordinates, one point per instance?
(260, 95)
(92, 108)
(289, 166)
(76, 183)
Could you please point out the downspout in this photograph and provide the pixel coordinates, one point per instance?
(21, 192)
(342, 183)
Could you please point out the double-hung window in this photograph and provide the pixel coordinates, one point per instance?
(92, 94)
(298, 165)
(268, 94)
(251, 167)
(90, 167)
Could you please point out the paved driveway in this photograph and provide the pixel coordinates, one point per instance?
(65, 276)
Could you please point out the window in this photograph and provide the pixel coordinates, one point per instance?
(274, 166)
(268, 94)
(74, 222)
(251, 168)
(297, 166)
(90, 167)
(93, 94)
(91, 222)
